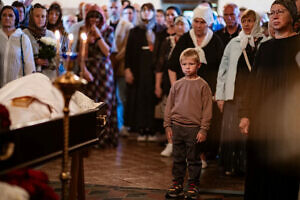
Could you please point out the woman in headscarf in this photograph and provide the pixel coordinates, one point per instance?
(96, 68)
(55, 23)
(37, 29)
(139, 75)
(270, 112)
(16, 57)
(162, 81)
(235, 68)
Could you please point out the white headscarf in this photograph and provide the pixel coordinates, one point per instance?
(255, 33)
(204, 13)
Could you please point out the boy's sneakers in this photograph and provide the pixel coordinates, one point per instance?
(192, 192)
(175, 191)
(167, 152)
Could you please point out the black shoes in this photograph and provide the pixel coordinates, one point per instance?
(192, 192)
(175, 191)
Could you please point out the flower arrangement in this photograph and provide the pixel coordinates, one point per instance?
(35, 182)
(47, 48)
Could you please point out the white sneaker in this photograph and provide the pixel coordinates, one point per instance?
(167, 152)
(204, 164)
(152, 138)
(141, 138)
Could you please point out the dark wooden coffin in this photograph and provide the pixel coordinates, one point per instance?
(38, 143)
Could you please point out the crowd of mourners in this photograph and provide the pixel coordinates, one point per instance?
(250, 61)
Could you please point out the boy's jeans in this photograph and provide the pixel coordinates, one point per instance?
(186, 153)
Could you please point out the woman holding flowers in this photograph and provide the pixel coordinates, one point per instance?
(36, 30)
(96, 68)
(16, 58)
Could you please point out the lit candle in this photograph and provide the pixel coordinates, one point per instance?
(57, 37)
(83, 37)
(71, 38)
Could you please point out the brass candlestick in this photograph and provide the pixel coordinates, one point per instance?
(68, 83)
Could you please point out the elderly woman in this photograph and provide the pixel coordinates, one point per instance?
(235, 68)
(16, 57)
(270, 111)
(37, 29)
(139, 75)
(96, 67)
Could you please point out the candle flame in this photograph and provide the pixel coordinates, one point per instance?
(83, 36)
(57, 35)
(70, 37)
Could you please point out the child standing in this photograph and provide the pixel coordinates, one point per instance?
(187, 118)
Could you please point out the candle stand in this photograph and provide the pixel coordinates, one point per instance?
(68, 83)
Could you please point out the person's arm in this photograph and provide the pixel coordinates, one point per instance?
(129, 58)
(206, 99)
(160, 66)
(158, 81)
(222, 76)
(104, 47)
(28, 55)
(168, 114)
(172, 76)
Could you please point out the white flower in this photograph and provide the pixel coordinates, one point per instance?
(48, 41)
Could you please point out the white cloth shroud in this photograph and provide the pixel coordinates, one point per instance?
(48, 103)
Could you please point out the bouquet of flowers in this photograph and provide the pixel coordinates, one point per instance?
(47, 48)
(35, 182)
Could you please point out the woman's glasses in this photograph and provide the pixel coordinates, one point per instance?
(277, 12)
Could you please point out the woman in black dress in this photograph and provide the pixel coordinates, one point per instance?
(270, 112)
(139, 75)
(233, 73)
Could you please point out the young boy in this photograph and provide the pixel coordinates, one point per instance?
(187, 118)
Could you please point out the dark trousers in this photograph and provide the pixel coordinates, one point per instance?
(186, 154)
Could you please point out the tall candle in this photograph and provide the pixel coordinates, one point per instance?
(83, 37)
(71, 38)
(57, 37)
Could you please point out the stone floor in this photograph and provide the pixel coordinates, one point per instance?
(136, 171)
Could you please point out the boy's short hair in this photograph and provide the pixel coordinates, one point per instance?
(190, 52)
